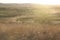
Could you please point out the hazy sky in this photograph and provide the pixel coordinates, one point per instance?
(32, 1)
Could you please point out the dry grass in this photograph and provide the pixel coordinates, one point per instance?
(11, 29)
(29, 32)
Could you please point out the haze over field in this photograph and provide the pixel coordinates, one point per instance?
(29, 20)
(28, 12)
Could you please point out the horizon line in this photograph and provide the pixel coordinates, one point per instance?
(29, 3)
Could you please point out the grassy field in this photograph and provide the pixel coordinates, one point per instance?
(29, 22)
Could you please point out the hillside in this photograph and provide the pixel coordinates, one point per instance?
(26, 13)
(29, 22)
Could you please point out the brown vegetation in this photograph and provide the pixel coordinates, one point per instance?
(29, 22)
(29, 32)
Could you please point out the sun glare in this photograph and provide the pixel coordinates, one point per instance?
(32, 1)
